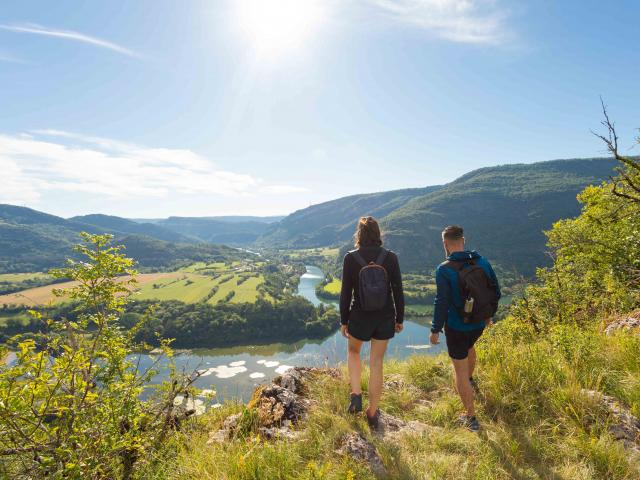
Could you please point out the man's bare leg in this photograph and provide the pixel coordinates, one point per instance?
(463, 385)
(472, 361)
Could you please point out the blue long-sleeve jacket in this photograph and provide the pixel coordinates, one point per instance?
(448, 297)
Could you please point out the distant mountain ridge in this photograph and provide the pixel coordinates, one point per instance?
(119, 224)
(504, 210)
(238, 231)
(35, 241)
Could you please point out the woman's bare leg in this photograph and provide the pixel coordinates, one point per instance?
(376, 361)
(355, 365)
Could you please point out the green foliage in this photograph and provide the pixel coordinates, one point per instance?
(210, 325)
(596, 263)
(70, 404)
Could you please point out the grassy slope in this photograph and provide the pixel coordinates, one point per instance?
(536, 421)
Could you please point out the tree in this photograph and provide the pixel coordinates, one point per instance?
(70, 405)
(596, 256)
(627, 184)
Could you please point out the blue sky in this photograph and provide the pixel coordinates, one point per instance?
(154, 108)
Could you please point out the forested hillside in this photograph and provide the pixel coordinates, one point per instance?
(504, 210)
(32, 241)
(332, 223)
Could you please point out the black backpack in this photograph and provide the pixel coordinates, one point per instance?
(373, 281)
(475, 284)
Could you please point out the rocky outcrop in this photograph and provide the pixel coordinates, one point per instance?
(630, 322)
(624, 427)
(356, 446)
(390, 427)
(276, 408)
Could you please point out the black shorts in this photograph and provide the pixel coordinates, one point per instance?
(367, 325)
(460, 342)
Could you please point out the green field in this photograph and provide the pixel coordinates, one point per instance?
(208, 268)
(245, 292)
(188, 287)
(192, 288)
(333, 287)
(22, 277)
(328, 253)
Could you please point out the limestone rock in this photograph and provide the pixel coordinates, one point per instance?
(625, 426)
(358, 447)
(392, 427)
(295, 378)
(226, 432)
(629, 322)
(278, 407)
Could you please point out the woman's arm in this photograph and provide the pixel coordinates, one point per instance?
(396, 288)
(347, 291)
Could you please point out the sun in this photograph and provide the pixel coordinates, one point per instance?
(276, 27)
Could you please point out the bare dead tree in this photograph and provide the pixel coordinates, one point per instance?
(624, 186)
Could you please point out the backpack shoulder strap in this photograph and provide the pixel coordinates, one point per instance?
(358, 257)
(381, 258)
(455, 265)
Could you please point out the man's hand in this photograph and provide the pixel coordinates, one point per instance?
(344, 331)
(434, 338)
(489, 323)
(399, 327)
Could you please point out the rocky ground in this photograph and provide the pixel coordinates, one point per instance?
(278, 412)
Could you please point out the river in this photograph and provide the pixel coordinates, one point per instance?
(236, 371)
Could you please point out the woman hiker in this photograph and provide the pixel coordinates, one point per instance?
(371, 309)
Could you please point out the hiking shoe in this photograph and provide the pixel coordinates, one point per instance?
(470, 423)
(474, 385)
(374, 420)
(356, 403)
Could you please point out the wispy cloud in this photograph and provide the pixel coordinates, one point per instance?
(7, 57)
(47, 161)
(68, 35)
(466, 21)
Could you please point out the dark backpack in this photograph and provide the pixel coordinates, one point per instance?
(475, 284)
(373, 282)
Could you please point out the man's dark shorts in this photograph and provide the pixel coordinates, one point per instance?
(364, 326)
(459, 343)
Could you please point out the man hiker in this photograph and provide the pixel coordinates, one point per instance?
(466, 301)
